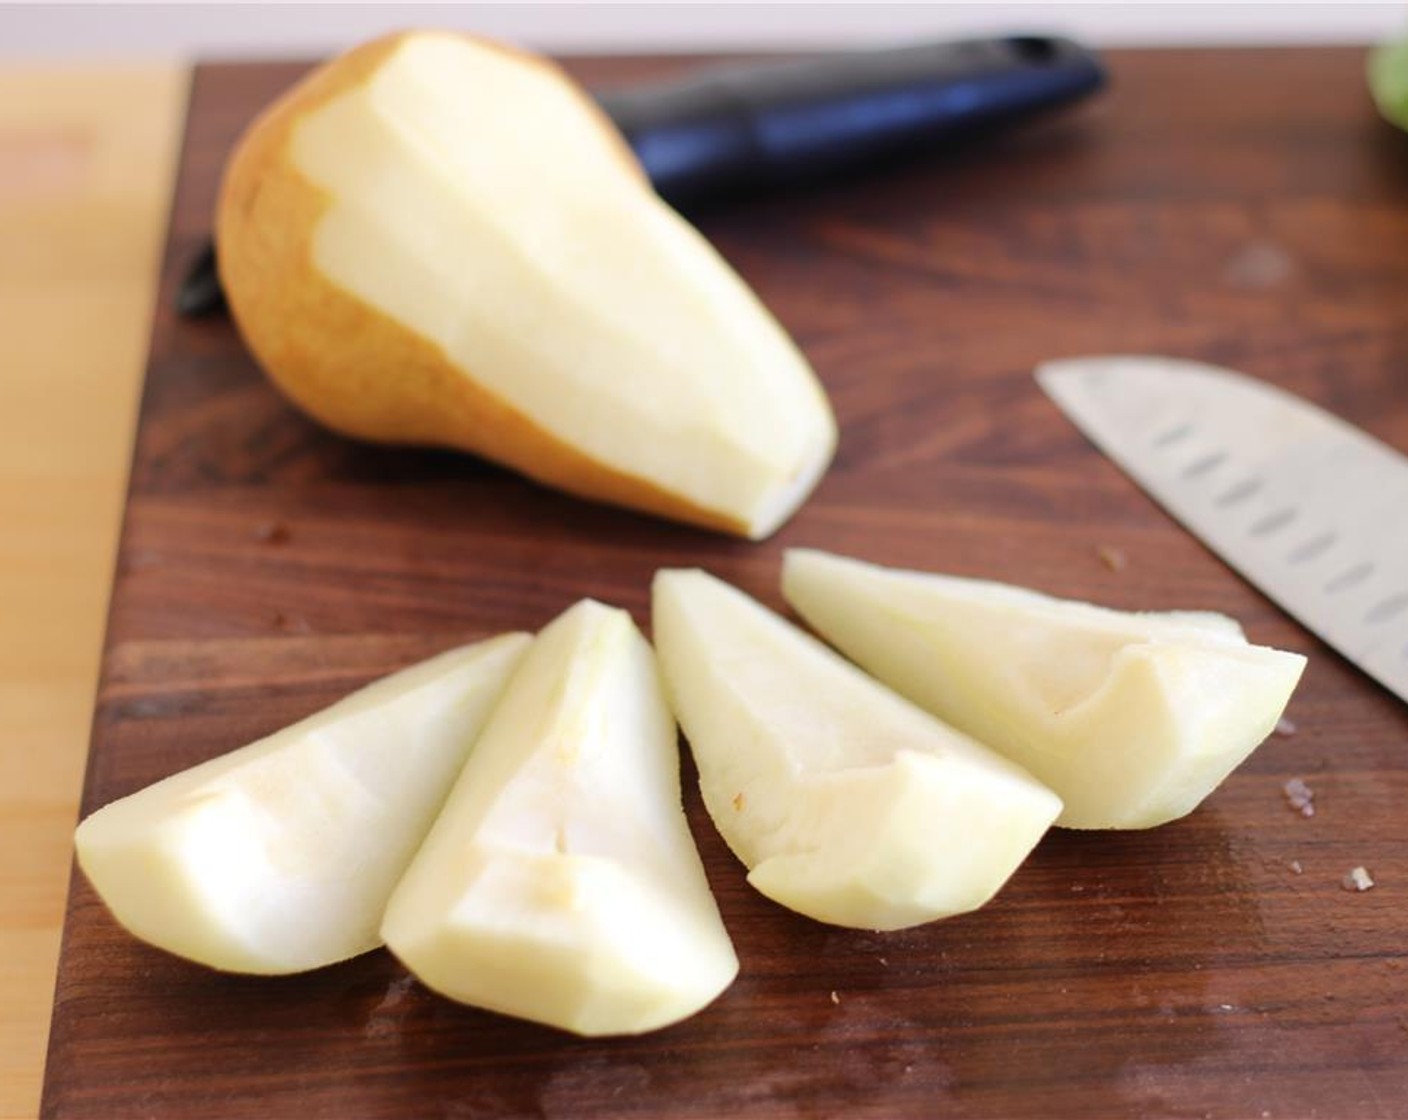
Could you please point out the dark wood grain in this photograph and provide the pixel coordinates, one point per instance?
(1241, 207)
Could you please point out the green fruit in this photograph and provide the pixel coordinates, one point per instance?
(1388, 81)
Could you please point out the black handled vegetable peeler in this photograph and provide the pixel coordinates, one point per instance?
(730, 130)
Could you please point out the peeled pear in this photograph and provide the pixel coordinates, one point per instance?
(847, 803)
(1133, 718)
(280, 856)
(438, 240)
(561, 883)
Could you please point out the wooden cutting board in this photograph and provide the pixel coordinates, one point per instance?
(1244, 207)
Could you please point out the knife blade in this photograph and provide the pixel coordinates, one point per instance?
(1310, 509)
(728, 130)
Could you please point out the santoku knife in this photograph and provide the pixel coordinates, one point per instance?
(729, 130)
(1310, 509)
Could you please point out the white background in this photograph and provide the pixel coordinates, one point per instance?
(44, 32)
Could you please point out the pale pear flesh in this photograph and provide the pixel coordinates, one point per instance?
(474, 197)
(847, 803)
(280, 856)
(1133, 718)
(561, 883)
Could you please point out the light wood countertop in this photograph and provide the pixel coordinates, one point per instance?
(87, 157)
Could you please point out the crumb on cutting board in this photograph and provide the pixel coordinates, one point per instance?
(1296, 867)
(1285, 727)
(272, 532)
(1357, 879)
(1258, 265)
(1300, 798)
(1112, 557)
